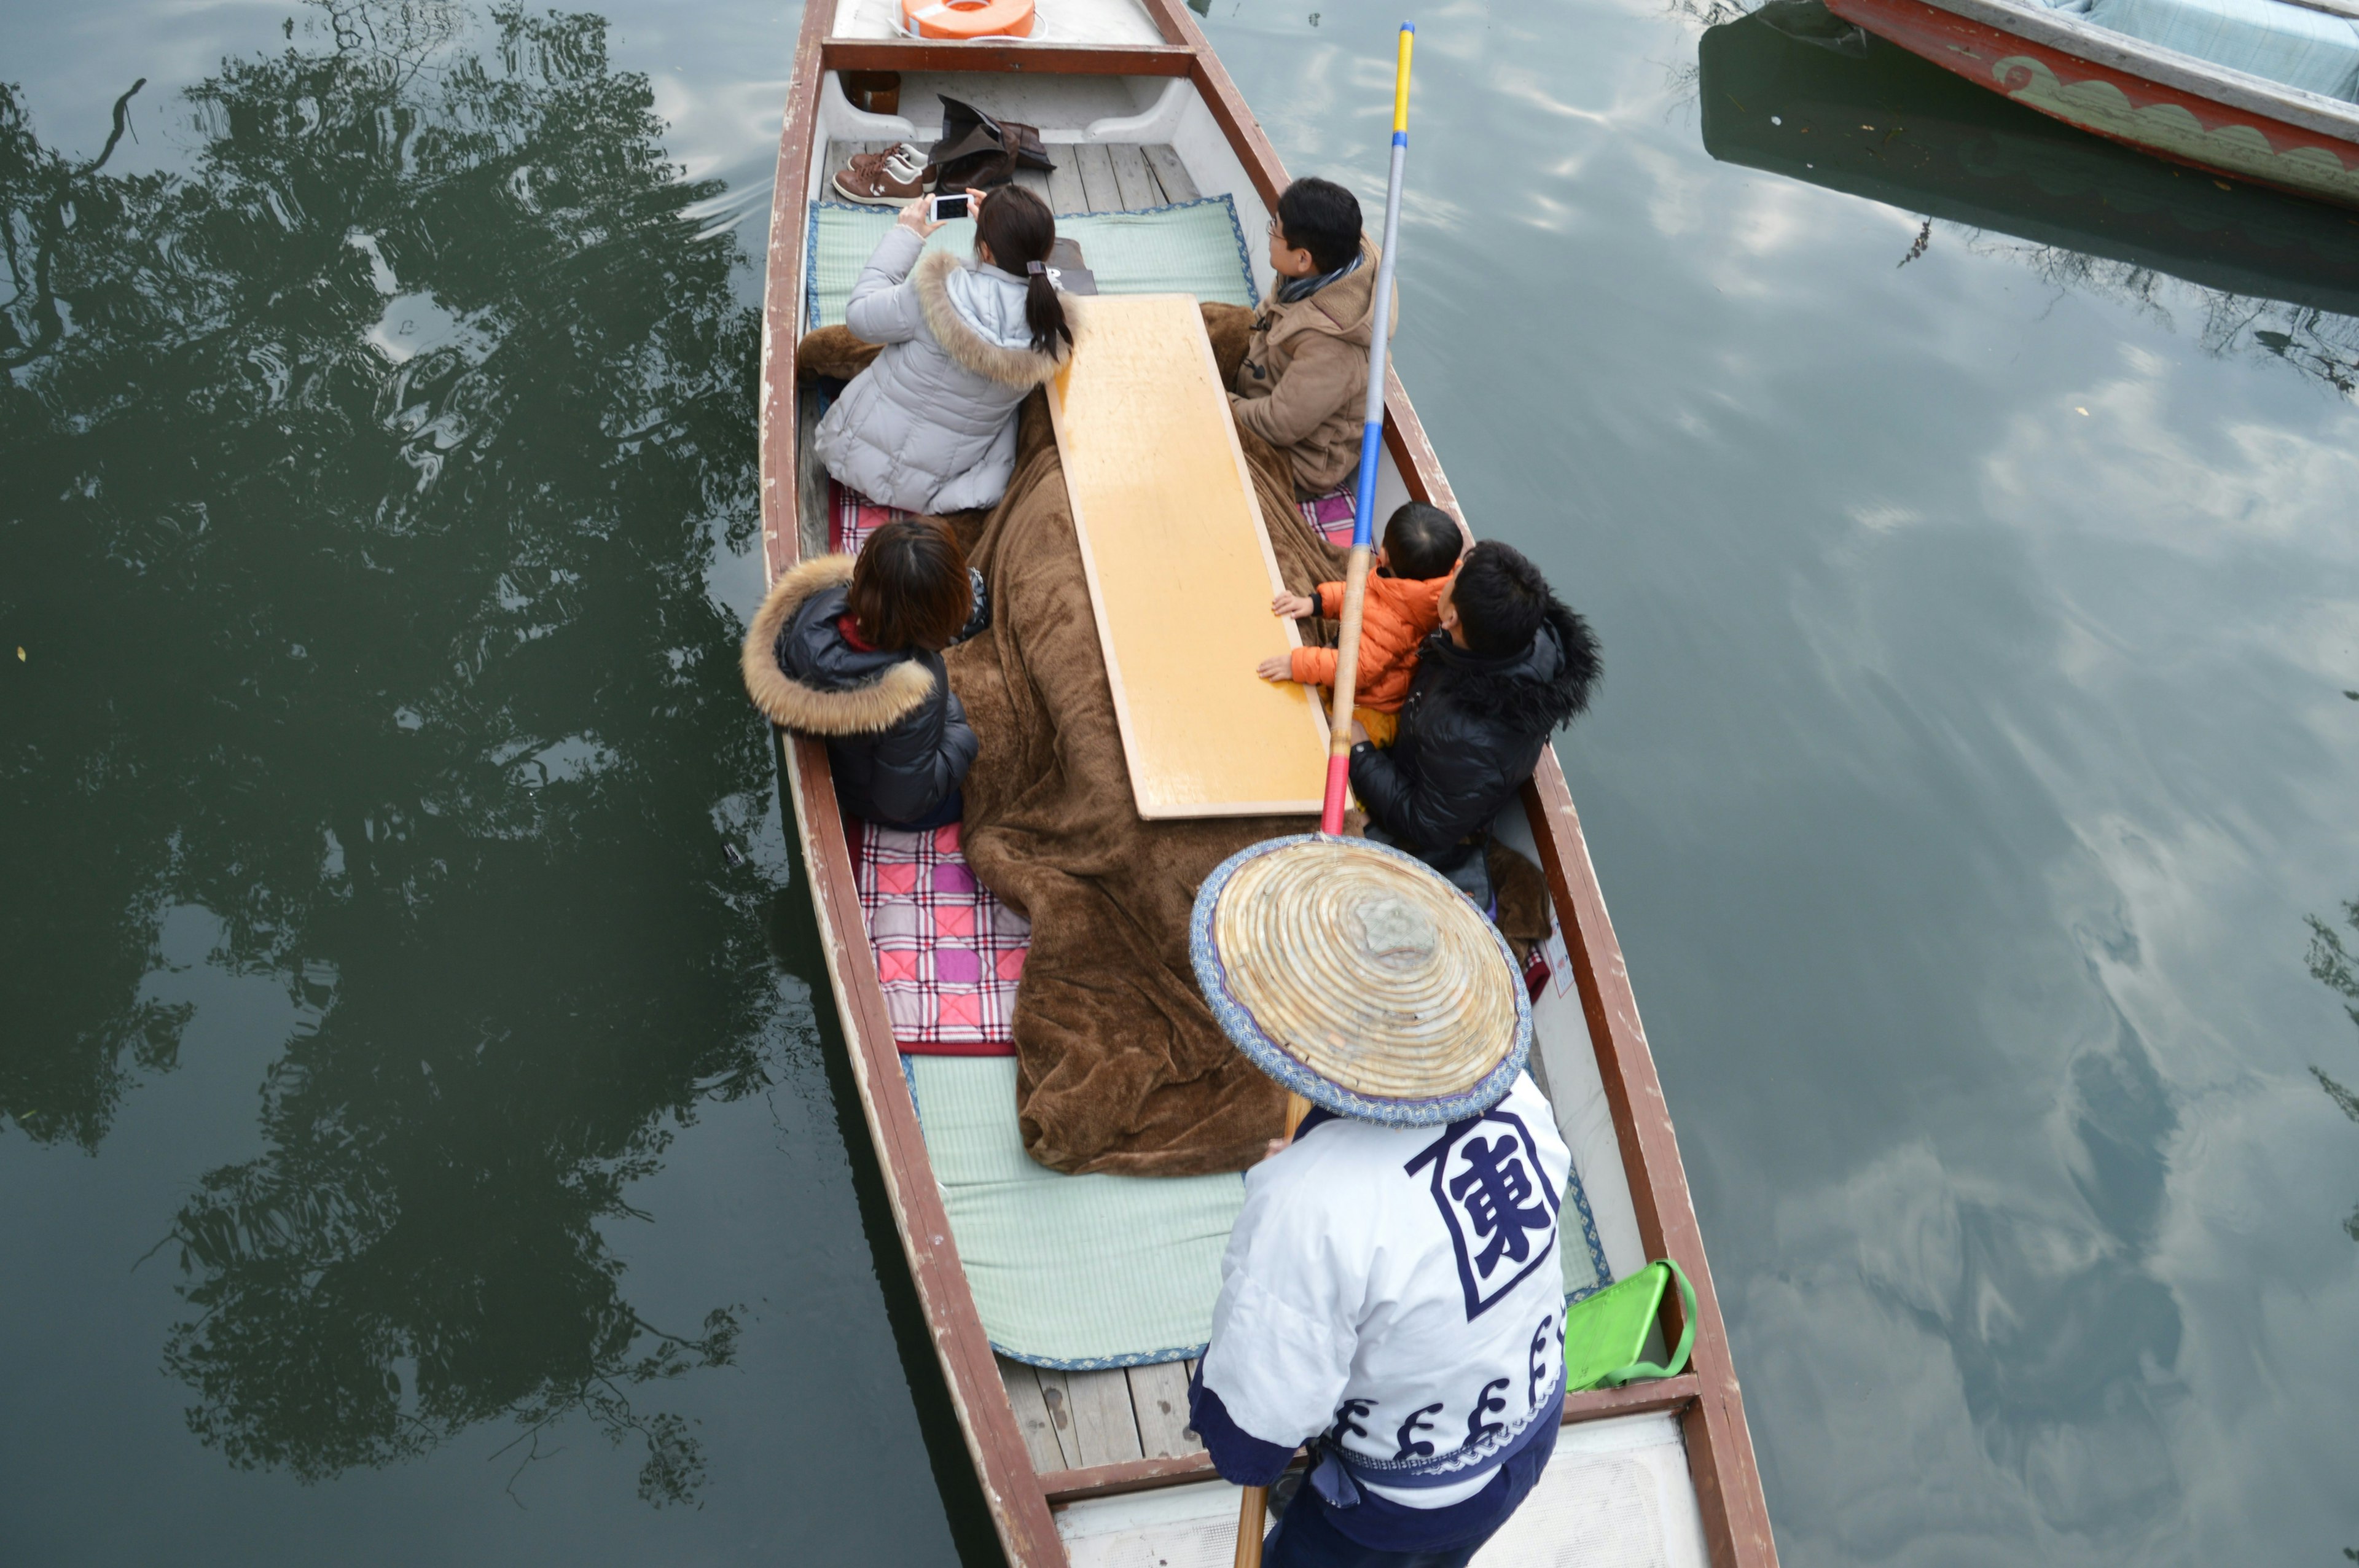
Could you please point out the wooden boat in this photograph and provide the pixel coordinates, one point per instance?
(1887, 125)
(1092, 1467)
(2176, 105)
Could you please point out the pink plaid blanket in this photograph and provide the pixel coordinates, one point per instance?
(1333, 516)
(851, 517)
(948, 953)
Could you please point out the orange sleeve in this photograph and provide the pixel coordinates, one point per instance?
(1331, 600)
(1314, 666)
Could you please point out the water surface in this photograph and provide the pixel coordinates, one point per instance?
(421, 1139)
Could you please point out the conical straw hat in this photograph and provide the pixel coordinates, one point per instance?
(1360, 978)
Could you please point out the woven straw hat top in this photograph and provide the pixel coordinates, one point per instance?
(1360, 978)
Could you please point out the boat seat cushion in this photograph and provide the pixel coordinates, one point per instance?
(2289, 44)
(1071, 1271)
(1089, 1271)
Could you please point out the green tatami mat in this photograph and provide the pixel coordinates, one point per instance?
(1082, 1271)
(1193, 248)
(1072, 1272)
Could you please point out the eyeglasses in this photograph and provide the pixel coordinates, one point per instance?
(1275, 231)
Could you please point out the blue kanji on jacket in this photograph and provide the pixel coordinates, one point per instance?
(1496, 1199)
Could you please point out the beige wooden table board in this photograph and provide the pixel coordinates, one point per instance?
(1180, 570)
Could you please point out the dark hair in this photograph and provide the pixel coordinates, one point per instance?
(910, 587)
(1019, 229)
(1421, 543)
(1501, 600)
(1321, 217)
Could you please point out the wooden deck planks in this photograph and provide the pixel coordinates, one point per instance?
(1066, 196)
(1131, 178)
(1103, 1417)
(1057, 1401)
(1169, 173)
(1032, 1417)
(1077, 1421)
(1091, 1416)
(1159, 1398)
(1092, 161)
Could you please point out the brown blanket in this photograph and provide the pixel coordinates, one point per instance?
(1120, 1065)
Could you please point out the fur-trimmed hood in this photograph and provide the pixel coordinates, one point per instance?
(1533, 691)
(1010, 366)
(879, 690)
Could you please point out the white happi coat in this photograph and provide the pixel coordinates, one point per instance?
(1400, 1289)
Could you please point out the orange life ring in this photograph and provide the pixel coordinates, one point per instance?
(968, 19)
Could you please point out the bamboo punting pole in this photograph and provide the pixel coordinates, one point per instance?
(1253, 1507)
(1371, 440)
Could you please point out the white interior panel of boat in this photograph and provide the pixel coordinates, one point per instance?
(1053, 22)
(1617, 1494)
(1565, 1065)
(1059, 107)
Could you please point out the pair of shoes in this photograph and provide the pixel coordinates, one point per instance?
(889, 179)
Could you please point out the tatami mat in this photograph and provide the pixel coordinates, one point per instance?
(1082, 1271)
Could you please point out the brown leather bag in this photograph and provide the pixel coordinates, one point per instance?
(978, 150)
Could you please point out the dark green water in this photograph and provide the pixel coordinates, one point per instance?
(420, 1139)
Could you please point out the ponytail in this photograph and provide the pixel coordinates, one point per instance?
(1020, 231)
(1043, 311)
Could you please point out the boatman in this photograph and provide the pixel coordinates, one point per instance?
(1393, 1291)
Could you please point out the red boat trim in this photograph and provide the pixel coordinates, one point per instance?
(2156, 100)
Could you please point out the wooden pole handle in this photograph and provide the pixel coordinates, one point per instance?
(1253, 1511)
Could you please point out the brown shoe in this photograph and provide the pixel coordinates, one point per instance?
(891, 178)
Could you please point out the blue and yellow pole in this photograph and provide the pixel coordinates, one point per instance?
(1254, 1504)
(1371, 440)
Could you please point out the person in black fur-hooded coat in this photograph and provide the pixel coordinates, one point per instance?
(1510, 664)
(851, 648)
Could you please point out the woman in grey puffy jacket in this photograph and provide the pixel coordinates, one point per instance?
(930, 424)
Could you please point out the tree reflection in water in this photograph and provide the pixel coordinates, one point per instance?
(363, 483)
(2331, 963)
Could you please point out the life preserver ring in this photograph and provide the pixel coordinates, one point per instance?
(967, 19)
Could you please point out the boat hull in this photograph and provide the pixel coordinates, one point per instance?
(2120, 104)
(1023, 1496)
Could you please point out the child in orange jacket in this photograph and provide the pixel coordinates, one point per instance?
(1404, 606)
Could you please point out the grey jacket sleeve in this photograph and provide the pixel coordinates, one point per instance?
(883, 307)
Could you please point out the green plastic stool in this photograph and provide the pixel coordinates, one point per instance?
(1604, 1333)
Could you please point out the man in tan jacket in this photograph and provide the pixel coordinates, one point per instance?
(1305, 373)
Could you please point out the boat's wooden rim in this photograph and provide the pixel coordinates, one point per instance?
(2169, 68)
(1139, 1475)
(1709, 1402)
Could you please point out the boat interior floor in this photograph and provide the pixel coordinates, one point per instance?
(1075, 1420)
(1072, 1421)
(1090, 177)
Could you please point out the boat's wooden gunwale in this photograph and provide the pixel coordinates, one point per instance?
(1143, 1475)
(1038, 60)
(1720, 1445)
(2220, 86)
(1720, 1456)
(1018, 1507)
